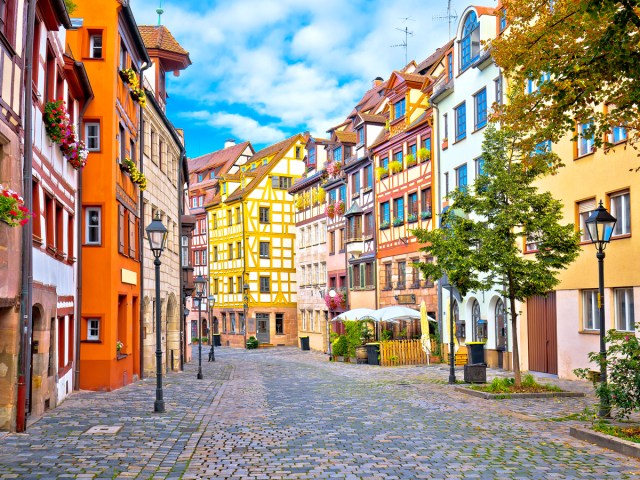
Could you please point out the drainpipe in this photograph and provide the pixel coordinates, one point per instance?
(145, 66)
(182, 158)
(245, 291)
(25, 326)
(439, 208)
(78, 313)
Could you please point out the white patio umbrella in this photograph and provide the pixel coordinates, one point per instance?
(357, 314)
(396, 313)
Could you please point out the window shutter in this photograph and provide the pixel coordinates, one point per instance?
(275, 182)
(132, 235)
(587, 206)
(120, 229)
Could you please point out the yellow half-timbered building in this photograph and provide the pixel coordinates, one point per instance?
(251, 239)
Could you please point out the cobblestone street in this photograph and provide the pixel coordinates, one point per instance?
(283, 413)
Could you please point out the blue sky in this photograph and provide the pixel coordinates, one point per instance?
(266, 69)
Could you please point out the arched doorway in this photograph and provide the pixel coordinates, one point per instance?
(475, 319)
(173, 334)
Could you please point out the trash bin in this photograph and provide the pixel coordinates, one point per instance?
(476, 353)
(216, 340)
(475, 373)
(304, 343)
(373, 353)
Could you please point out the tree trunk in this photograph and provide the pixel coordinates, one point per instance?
(514, 330)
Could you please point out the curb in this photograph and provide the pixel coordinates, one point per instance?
(502, 396)
(618, 445)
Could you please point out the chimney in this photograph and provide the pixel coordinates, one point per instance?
(377, 81)
(229, 142)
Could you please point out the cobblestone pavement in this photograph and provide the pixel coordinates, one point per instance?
(283, 413)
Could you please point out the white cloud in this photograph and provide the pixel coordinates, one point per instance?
(303, 64)
(242, 127)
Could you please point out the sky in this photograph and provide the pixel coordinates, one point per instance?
(263, 70)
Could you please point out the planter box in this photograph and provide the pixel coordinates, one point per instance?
(616, 444)
(500, 396)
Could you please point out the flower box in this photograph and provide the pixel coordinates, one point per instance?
(384, 225)
(382, 172)
(425, 215)
(12, 209)
(411, 161)
(424, 154)
(445, 143)
(398, 221)
(412, 218)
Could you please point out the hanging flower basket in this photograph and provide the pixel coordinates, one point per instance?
(61, 131)
(333, 169)
(138, 95)
(129, 76)
(136, 175)
(12, 209)
(330, 210)
(339, 209)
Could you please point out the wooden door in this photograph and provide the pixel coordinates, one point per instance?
(542, 333)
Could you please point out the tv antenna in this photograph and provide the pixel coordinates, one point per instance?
(407, 34)
(449, 17)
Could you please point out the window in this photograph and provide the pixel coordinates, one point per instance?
(624, 309)
(184, 251)
(355, 183)
(470, 43)
(450, 66)
(95, 45)
(311, 156)
(585, 209)
(264, 214)
(240, 284)
(298, 152)
(265, 284)
(402, 275)
(384, 162)
(543, 147)
(332, 243)
(229, 217)
(199, 177)
(621, 209)
(360, 135)
(415, 274)
(387, 276)
(123, 56)
(385, 214)
(232, 321)
(215, 254)
(343, 193)
(413, 150)
(397, 157)
(461, 177)
(230, 284)
(123, 148)
(399, 108)
(480, 100)
(618, 134)
(281, 183)
(412, 204)
(239, 249)
(8, 21)
(497, 83)
(264, 249)
(368, 275)
(279, 323)
(479, 166)
(92, 136)
(341, 235)
(93, 329)
(445, 125)
(212, 175)
(337, 154)
(398, 208)
(590, 314)
(368, 225)
(461, 121)
(93, 226)
(425, 200)
(585, 139)
(230, 248)
(503, 19)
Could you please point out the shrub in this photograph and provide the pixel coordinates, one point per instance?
(500, 385)
(339, 346)
(353, 330)
(252, 343)
(622, 390)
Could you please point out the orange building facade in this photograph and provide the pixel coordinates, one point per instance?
(108, 43)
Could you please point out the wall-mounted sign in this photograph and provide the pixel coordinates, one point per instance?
(408, 299)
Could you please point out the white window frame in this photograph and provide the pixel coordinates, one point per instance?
(91, 138)
(88, 227)
(620, 207)
(585, 144)
(93, 47)
(585, 209)
(93, 336)
(590, 312)
(624, 309)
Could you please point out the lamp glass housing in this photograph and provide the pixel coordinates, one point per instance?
(201, 286)
(600, 225)
(157, 236)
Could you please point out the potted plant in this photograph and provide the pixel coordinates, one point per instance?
(424, 154)
(252, 343)
(398, 221)
(339, 208)
(136, 175)
(60, 130)
(384, 225)
(322, 195)
(128, 76)
(119, 346)
(382, 172)
(12, 209)
(339, 348)
(330, 210)
(138, 95)
(445, 143)
(411, 160)
(333, 169)
(395, 166)
(425, 214)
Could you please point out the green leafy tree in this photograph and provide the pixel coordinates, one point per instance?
(581, 55)
(503, 210)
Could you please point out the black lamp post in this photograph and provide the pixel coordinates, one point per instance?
(212, 353)
(245, 307)
(452, 354)
(157, 236)
(600, 225)
(201, 288)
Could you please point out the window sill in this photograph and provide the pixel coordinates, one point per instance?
(621, 237)
(589, 332)
(90, 341)
(458, 140)
(479, 127)
(397, 120)
(584, 155)
(121, 356)
(367, 189)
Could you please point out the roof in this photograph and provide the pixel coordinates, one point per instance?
(346, 137)
(427, 63)
(277, 151)
(410, 77)
(371, 118)
(159, 36)
(217, 158)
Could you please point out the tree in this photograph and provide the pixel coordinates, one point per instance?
(583, 57)
(505, 210)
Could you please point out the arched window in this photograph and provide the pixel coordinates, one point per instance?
(501, 326)
(470, 42)
(475, 318)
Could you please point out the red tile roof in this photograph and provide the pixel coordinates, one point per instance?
(217, 158)
(159, 36)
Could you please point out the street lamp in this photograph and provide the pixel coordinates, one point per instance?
(212, 353)
(245, 305)
(201, 290)
(600, 225)
(452, 356)
(157, 236)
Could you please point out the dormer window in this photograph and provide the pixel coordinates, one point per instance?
(360, 133)
(337, 154)
(399, 108)
(311, 156)
(470, 43)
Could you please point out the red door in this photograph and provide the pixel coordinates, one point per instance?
(542, 333)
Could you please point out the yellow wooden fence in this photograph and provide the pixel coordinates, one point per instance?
(402, 352)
